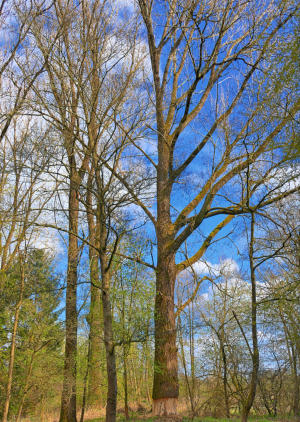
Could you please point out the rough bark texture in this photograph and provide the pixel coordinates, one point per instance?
(165, 406)
(68, 401)
(165, 383)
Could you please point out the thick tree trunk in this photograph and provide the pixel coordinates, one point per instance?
(165, 383)
(68, 400)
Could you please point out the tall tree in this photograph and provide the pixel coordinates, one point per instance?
(194, 48)
(91, 70)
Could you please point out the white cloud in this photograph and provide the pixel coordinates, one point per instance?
(226, 267)
(48, 240)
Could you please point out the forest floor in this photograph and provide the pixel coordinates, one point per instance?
(199, 419)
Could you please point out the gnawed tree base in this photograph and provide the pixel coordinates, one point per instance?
(165, 407)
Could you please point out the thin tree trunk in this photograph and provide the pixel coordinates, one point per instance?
(125, 353)
(255, 352)
(86, 380)
(185, 369)
(296, 394)
(225, 381)
(95, 316)
(147, 363)
(192, 355)
(125, 377)
(68, 400)
(221, 338)
(265, 400)
(13, 344)
(111, 403)
(292, 353)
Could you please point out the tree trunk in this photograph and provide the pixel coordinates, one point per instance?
(225, 381)
(111, 404)
(13, 345)
(192, 355)
(165, 383)
(296, 377)
(255, 352)
(86, 380)
(95, 316)
(189, 389)
(68, 400)
(96, 329)
(125, 375)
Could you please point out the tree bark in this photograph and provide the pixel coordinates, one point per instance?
(95, 316)
(189, 387)
(85, 381)
(68, 400)
(96, 329)
(125, 376)
(165, 383)
(111, 403)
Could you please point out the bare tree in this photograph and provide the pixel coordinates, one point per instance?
(16, 21)
(92, 67)
(194, 48)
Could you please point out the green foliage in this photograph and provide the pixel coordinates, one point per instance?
(38, 359)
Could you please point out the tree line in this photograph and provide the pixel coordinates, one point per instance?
(156, 143)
